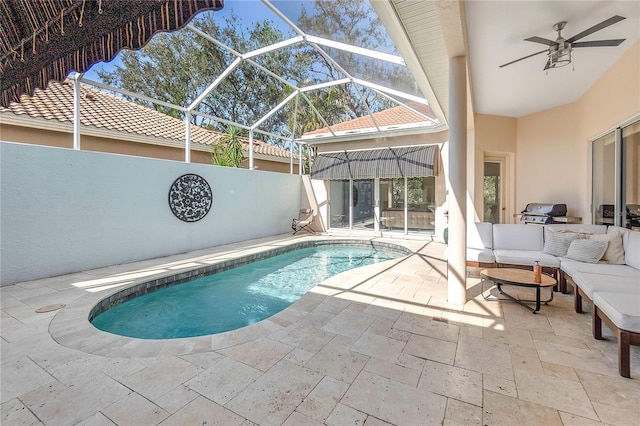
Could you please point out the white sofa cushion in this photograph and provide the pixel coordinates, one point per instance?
(615, 252)
(526, 257)
(557, 243)
(592, 283)
(622, 309)
(632, 248)
(590, 251)
(481, 256)
(480, 235)
(518, 237)
(574, 267)
(630, 243)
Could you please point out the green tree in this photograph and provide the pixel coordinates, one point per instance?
(329, 102)
(228, 151)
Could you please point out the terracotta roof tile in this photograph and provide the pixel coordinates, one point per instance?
(106, 111)
(394, 116)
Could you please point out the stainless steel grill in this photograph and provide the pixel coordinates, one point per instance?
(544, 213)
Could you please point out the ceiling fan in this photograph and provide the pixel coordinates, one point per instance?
(560, 50)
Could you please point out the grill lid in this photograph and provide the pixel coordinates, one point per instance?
(545, 209)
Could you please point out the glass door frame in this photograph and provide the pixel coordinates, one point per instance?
(507, 184)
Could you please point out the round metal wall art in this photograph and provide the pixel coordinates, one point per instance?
(190, 197)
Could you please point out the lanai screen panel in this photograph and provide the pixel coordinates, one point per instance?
(334, 58)
(356, 46)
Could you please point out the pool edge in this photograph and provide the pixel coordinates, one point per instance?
(71, 327)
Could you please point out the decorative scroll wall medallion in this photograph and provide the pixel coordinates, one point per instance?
(190, 197)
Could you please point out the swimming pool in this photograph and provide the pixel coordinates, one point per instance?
(233, 298)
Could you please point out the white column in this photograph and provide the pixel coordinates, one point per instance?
(187, 136)
(406, 208)
(251, 149)
(457, 199)
(350, 204)
(300, 159)
(76, 110)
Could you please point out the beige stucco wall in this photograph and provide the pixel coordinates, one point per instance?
(34, 135)
(64, 139)
(551, 147)
(551, 159)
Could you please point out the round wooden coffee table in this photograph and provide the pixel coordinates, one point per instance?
(520, 278)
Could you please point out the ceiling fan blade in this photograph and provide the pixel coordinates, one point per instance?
(599, 43)
(541, 40)
(597, 27)
(524, 57)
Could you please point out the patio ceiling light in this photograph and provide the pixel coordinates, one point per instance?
(560, 55)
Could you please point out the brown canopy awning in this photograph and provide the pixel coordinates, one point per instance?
(47, 39)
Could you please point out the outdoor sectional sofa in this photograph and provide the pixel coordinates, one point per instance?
(609, 278)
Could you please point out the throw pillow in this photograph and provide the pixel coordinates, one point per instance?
(557, 243)
(615, 252)
(590, 251)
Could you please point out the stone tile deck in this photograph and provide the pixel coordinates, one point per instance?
(374, 346)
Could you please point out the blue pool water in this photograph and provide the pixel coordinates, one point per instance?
(236, 297)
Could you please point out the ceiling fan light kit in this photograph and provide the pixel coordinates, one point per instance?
(560, 56)
(560, 51)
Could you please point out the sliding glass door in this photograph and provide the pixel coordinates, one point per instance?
(406, 205)
(603, 182)
(392, 204)
(363, 217)
(615, 185)
(339, 205)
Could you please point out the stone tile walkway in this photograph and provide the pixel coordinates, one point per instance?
(377, 345)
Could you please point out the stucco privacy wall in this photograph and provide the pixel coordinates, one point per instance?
(64, 211)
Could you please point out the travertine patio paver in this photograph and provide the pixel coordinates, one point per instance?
(375, 346)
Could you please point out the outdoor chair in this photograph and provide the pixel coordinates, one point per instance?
(304, 221)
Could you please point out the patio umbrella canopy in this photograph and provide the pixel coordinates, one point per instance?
(47, 39)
